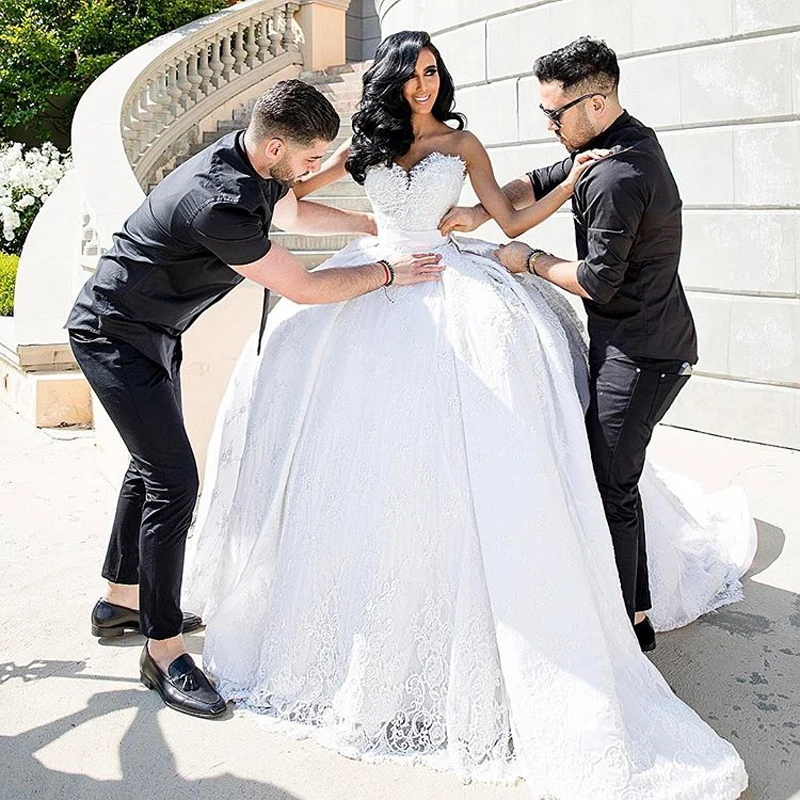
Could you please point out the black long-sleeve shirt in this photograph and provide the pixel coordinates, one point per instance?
(627, 213)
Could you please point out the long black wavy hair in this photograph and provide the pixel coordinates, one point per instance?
(382, 129)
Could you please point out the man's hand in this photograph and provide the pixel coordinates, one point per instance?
(513, 256)
(462, 218)
(417, 268)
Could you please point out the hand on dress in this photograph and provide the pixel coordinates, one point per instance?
(462, 218)
(416, 268)
(513, 256)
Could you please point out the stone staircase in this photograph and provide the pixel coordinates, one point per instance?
(342, 86)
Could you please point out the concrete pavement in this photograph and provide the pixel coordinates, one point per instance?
(76, 723)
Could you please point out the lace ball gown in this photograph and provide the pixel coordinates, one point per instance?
(402, 550)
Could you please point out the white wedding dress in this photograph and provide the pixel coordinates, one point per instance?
(401, 549)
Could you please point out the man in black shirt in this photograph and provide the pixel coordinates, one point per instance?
(203, 230)
(627, 214)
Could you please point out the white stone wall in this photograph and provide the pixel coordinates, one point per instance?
(720, 82)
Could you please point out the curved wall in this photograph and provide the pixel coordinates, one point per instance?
(720, 82)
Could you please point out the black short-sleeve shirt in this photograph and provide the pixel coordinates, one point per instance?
(170, 261)
(628, 231)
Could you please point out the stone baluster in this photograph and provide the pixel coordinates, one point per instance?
(216, 62)
(289, 35)
(143, 111)
(239, 53)
(157, 115)
(135, 129)
(275, 35)
(252, 45)
(183, 82)
(227, 58)
(264, 54)
(163, 99)
(194, 77)
(90, 245)
(173, 90)
(204, 71)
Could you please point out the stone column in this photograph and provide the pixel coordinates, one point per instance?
(323, 26)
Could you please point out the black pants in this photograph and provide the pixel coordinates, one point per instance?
(160, 488)
(627, 400)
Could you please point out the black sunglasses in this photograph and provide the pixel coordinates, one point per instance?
(554, 114)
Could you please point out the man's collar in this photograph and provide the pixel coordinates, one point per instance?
(602, 139)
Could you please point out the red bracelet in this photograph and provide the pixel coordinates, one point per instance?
(387, 271)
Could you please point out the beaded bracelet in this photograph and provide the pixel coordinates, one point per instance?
(389, 270)
(533, 256)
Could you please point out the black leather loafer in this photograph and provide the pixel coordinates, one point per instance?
(183, 687)
(646, 635)
(110, 621)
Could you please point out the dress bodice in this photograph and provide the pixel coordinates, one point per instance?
(415, 199)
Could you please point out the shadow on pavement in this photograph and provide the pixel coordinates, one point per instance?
(739, 668)
(148, 767)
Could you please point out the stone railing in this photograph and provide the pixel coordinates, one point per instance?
(150, 105)
(201, 73)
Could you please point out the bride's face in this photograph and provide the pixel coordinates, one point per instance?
(422, 90)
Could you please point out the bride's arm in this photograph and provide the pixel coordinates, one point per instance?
(515, 221)
(305, 217)
(332, 170)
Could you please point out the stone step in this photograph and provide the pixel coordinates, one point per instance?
(346, 107)
(312, 258)
(341, 91)
(321, 80)
(335, 145)
(346, 203)
(343, 71)
(346, 187)
(297, 242)
(234, 124)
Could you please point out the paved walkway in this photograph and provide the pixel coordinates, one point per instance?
(76, 724)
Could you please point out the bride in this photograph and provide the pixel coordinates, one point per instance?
(401, 547)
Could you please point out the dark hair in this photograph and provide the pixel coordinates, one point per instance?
(586, 63)
(382, 127)
(295, 111)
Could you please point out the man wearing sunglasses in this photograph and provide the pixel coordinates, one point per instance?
(627, 214)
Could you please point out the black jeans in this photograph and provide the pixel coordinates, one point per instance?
(627, 400)
(160, 488)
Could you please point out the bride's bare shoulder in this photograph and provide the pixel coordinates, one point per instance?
(461, 143)
(466, 145)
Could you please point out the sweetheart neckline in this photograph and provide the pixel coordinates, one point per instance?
(409, 172)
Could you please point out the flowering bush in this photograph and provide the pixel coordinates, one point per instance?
(8, 278)
(27, 179)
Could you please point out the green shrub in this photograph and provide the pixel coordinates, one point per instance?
(27, 179)
(8, 277)
(51, 50)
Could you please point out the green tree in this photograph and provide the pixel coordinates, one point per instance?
(51, 50)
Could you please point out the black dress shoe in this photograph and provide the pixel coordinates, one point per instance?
(109, 620)
(646, 635)
(183, 686)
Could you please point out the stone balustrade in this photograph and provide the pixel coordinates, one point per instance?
(200, 73)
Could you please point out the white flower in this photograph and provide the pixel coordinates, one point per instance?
(30, 175)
